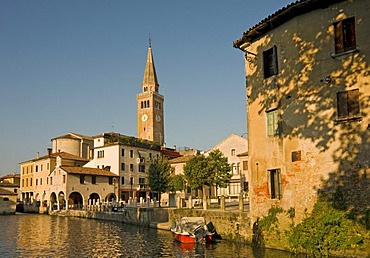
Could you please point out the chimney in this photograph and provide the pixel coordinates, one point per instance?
(48, 151)
(174, 146)
(37, 155)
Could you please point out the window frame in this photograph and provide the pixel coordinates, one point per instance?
(348, 105)
(345, 35)
(275, 184)
(270, 62)
(272, 127)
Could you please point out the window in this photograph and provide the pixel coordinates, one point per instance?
(123, 166)
(141, 168)
(270, 65)
(41, 169)
(40, 181)
(235, 171)
(6, 199)
(122, 180)
(275, 184)
(51, 181)
(233, 152)
(131, 181)
(131, 167)
(31, 181)
(122, 152)
(348, 104)
(110, 180)
(93, 180)
(64, 179)
(132, 155)
(101, 154)
(37, 168)
(36, 182)
(272, 122)
(82, 179)
(345, 35)
(47, 166)
(141, 182)
(245, 165)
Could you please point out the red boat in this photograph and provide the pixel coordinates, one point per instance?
(191, 230)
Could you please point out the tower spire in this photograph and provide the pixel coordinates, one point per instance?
(150, 81)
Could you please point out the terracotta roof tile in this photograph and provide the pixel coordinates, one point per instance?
(182, 159)
(88, 171)
(6, 192)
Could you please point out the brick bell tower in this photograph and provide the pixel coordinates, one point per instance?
(150, 108)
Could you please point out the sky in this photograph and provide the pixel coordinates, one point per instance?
(76, 66)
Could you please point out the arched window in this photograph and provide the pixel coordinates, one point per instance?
(6, 199)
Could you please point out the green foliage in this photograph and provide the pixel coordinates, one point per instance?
(131, 141)
(177, 183)
(266, 222)
(217, 163)
(196, 173)
(159, 175)
(327, 229)
(213, 170)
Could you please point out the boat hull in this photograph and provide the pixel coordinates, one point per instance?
(188, 239)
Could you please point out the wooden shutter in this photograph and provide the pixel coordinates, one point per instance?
(353, 103)
(349, 34)
(274, 60)
(342, 107)
(338, 37)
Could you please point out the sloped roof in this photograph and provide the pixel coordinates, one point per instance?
(62, 154)
(233, 135)
(150, 75)
(6, 192)
(182, 159)
(242, 154)
(171, 154)
(88, 171)
(280, 17)
(73, 136)
(10, 176)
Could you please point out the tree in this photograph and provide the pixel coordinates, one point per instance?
(177, 183)
(217, 163)
(213, 170)
(159, 176)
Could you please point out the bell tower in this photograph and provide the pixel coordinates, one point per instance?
(150, 109)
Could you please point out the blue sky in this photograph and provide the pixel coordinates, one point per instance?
(76, 66)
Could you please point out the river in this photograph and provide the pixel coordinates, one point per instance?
(34, 235)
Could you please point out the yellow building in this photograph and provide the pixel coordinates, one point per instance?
(308, 100)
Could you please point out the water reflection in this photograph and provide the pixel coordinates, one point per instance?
(50, 236)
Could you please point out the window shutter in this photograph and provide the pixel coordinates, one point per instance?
(342, 106)
(338, 34)
(349, 34)
(274, 60)
(353, 103)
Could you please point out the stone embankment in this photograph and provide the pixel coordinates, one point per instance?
(231, 225)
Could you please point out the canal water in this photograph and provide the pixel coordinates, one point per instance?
(34, 235)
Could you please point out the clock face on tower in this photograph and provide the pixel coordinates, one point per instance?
(144, 117)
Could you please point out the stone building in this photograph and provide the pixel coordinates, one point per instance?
(308, 100)
(35, 177)
(8, 201)
(73, 187)
(127, 157)
(233, 148)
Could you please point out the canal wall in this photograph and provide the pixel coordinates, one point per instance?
(141, 216)
(229, 225)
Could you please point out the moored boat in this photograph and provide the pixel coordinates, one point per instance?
(190, 230)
